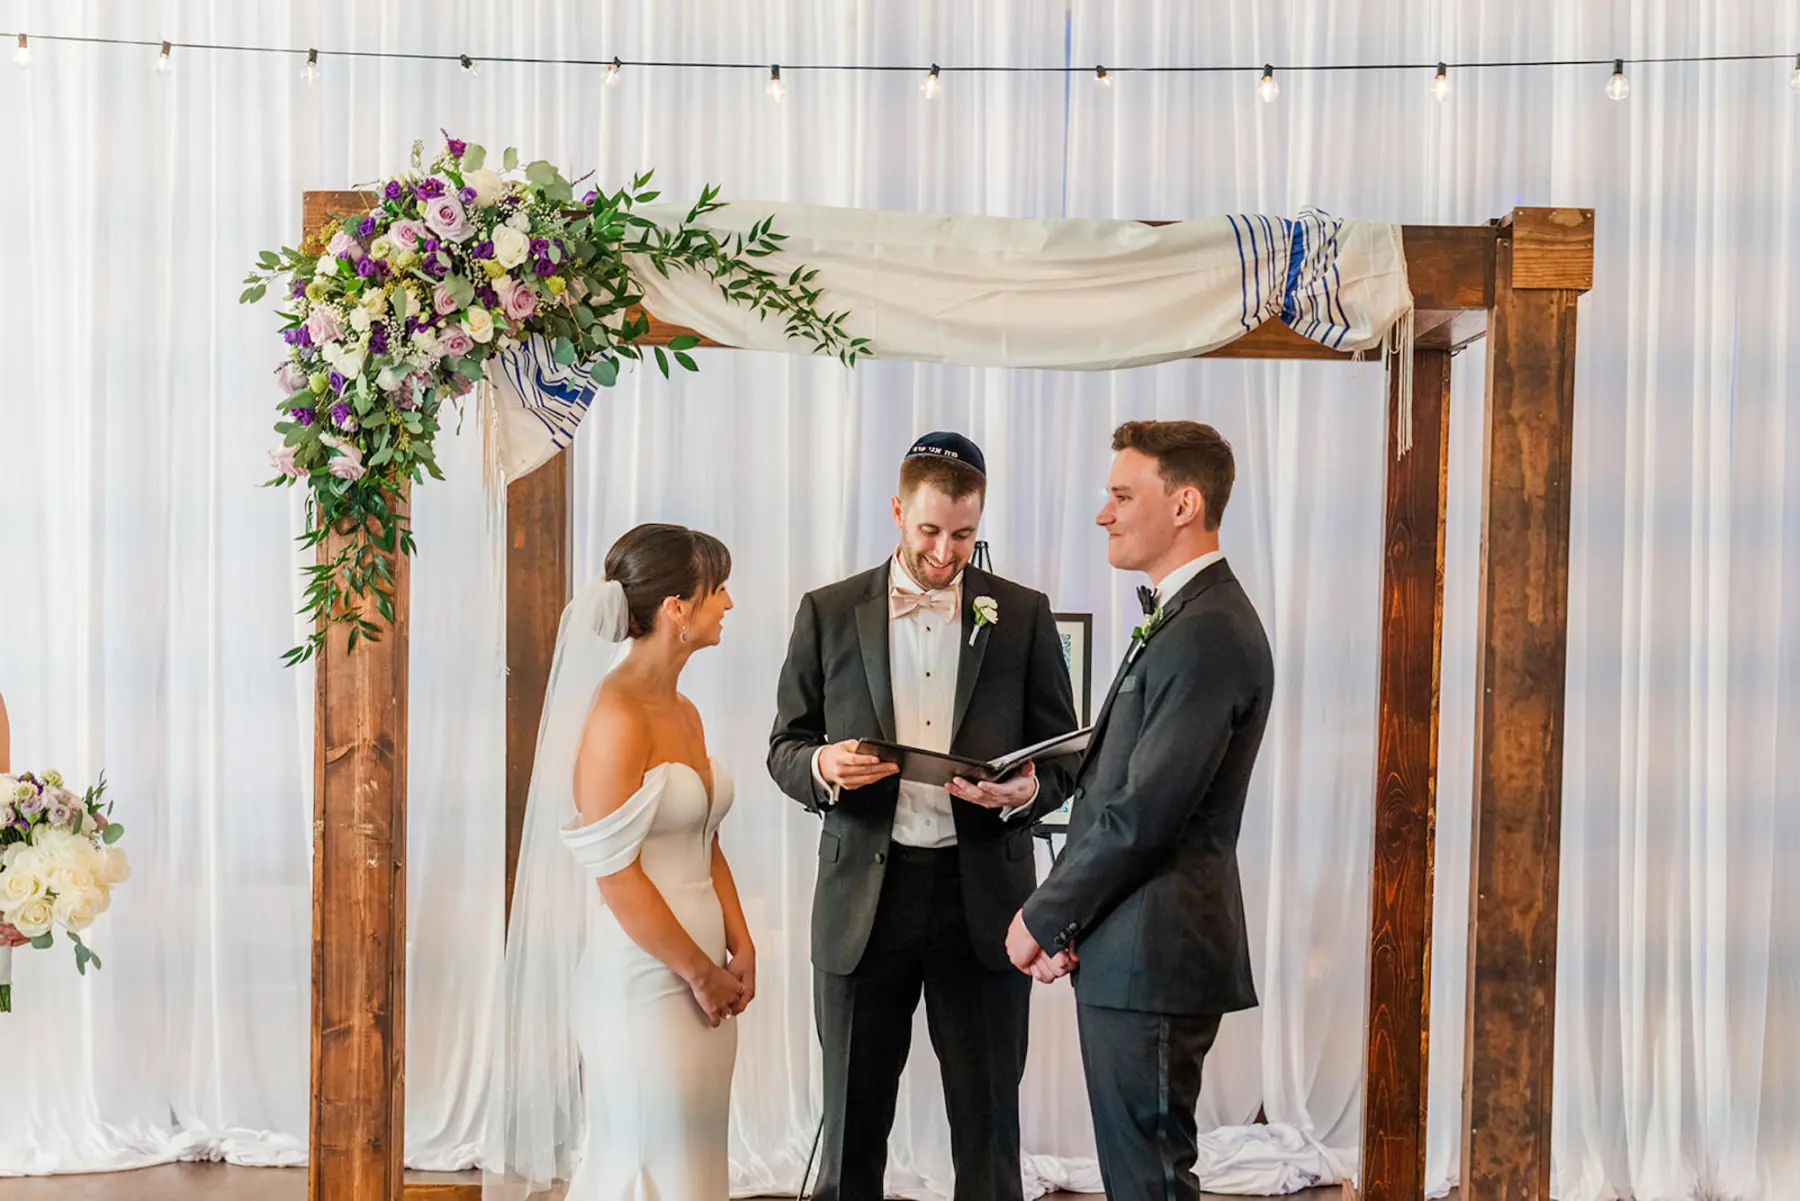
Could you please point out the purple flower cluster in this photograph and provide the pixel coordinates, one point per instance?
(378, 340)
(366, 228)
(467, 195)
(394, 190)
(337, 385)
(297, 335)
(482, 250)
(456, 146)
(305, 416)
(429, 189)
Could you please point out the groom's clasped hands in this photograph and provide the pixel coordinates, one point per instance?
(1026, 955)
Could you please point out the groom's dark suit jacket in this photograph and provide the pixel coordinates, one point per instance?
(1012, 690)
(1147, 886)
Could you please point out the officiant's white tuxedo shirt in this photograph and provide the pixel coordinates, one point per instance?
(924, 651)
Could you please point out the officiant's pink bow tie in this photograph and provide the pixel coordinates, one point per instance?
(904, 603)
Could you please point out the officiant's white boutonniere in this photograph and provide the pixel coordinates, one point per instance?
(987, 613)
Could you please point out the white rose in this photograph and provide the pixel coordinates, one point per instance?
(360, 319)
(77, 910)
(510, 246)
(426, 341)
(480, 324)
(327, 265)
(72, 878)
(488, 185)
(519, 221)
(115, 868)
(22, 856)
(33, 918)
(17, 887)
(376, 301)
(390, 377)
(57, 848)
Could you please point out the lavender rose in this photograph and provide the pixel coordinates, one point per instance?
(455, 340)
(407, 234)
(448, 219)
(442, 300)
(290, 377)
(341, 244)
(517, 301)
(322, 326)
(283, 459)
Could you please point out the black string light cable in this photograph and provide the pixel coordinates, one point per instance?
(1618, 86)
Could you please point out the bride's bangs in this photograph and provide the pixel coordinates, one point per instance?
(712, 563)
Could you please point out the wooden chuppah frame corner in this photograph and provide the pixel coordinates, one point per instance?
(1516, 282)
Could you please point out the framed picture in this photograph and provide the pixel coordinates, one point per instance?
(1076, 631)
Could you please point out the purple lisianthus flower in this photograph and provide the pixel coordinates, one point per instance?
(540, 246)
(337, 385)
(482, 250)
(365, 266)
(545, 267)
(429, 189)
(366, 228)
(293, 335)
(592, 195)
(378, 340)
(429, 245)
(394, 190)
(298, 290)
(456, 146)
(412, 324)
(340, 412)
(305, 416)
(434, 267)
(467, 195)
(489, 297)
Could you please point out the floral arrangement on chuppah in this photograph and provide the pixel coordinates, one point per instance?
(391, 311)
(58, 865)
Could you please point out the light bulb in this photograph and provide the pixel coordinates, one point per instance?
(931, 87)
(310, 72)
(1793, 84)
(22, 55)
(469, 66)
(1266, 87)
(1440, 84)
(1102, 78)
(1618, 87)
(164, 64)
(612, 73)
(776, 88)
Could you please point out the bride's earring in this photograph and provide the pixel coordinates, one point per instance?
(684, 633)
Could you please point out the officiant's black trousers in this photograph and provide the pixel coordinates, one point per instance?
(978, 1020)
(1143, 1078)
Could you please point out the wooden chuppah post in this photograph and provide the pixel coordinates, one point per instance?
(1398, 1019)
(358, 1106)
(1543, 263)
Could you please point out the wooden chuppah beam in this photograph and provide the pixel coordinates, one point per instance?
(1398, 1018)
(1543, 262)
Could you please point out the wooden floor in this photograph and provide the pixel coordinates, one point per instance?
(221, 1182)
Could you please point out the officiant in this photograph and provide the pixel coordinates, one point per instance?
(917, 883)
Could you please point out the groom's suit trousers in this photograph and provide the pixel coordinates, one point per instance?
(978, 1019)
(1143, 1080)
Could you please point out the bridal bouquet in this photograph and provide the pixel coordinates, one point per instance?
(58, 865)
(390, 310)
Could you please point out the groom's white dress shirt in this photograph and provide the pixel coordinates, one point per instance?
(1176, 580)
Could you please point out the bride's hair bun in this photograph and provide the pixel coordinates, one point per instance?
(656, 561)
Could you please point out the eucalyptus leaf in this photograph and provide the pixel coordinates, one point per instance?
(511, 159)
(605, 372)
(474, 157)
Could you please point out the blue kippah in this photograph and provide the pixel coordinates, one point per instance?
(945, 444)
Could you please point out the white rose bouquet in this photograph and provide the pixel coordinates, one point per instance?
(58, 866)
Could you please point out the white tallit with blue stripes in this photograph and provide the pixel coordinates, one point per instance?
(1012, 292)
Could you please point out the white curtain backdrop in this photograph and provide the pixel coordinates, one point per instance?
(149, 584)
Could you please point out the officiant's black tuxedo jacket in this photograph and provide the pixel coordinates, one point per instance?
(1012, 690)
(1147, 886)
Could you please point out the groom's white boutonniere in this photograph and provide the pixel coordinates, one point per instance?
(1145, 628)
(987, 613)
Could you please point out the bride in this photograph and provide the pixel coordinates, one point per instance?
(627, 955)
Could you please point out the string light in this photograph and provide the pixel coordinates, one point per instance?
(1440, 84)
(468, 65)
(612, 73)
(1618, 87)
(164, 64)
(1102, 78)
(310, 72)
(931, 87)
(1266, 87)
(776, 89)
(22, 55)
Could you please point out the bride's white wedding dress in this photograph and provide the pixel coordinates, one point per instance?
(656, 1078)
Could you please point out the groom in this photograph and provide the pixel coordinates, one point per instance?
(1147, 884)
(916, 884)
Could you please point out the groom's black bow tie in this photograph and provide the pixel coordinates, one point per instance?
(1147, 598)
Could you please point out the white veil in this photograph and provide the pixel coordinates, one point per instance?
(535, 1124)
